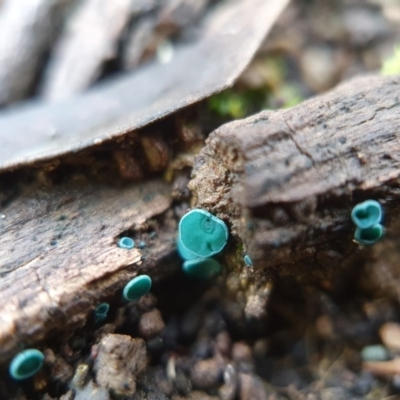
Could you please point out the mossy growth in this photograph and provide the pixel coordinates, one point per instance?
(289, 96)
(26, 364)
(391, 66)
(137, 288)
(239, 248)
(237, 103)
(270, 87)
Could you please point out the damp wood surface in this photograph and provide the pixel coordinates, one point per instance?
(59, 256)
(286, 180)
(38, 131)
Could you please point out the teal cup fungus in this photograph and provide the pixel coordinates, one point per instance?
(367, 214)
(375, 352)
(101, 312)
(369, 236)
(202, 234)
(26, 364)
(126, 243)
(202, 268)
(185, 253)
(247, 260)
(137, 287)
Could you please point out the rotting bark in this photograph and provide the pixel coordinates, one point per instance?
(286, 181)
(37, 132)
(59, 256)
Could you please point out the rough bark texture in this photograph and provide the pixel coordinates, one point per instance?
(59, 257)
(230, 37)
(286, 181)
(120, 359)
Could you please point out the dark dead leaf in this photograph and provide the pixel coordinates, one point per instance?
(36, 131)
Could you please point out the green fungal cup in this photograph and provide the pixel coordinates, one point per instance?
(375, 352)
(202, 233)
(202, 268)
(137, 287)
(26, 364)
(367, 214)
(185, 253)
(101, 312)
(126, 243)
(247, 260)
(369, 236)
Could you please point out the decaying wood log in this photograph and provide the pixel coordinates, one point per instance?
(37, 132)
(286, 181)
(59, 258)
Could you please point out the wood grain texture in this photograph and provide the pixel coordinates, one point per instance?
(286, 181)
(59, 258)
(231, 35)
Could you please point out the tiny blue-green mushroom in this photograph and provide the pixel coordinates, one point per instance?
(142, 245)
(202, 233)
(26, 364)
(370, 235)
(203, 268)
(137, 287)
(101, 312)
(247, 260)
(366, 214)
(126, 243)
(185, 253)
(375, 352)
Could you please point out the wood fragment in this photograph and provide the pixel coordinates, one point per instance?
(177, 14)
(140, 42)
(38, 132)
(390, 335)
(59, 258)
(120, 359)
(383, 368)
(382, 272)
(26, 31)
(90, 39)
(286, 181)
(156, 151)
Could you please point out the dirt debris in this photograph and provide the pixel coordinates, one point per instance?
(151, 324)
(120, 359)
